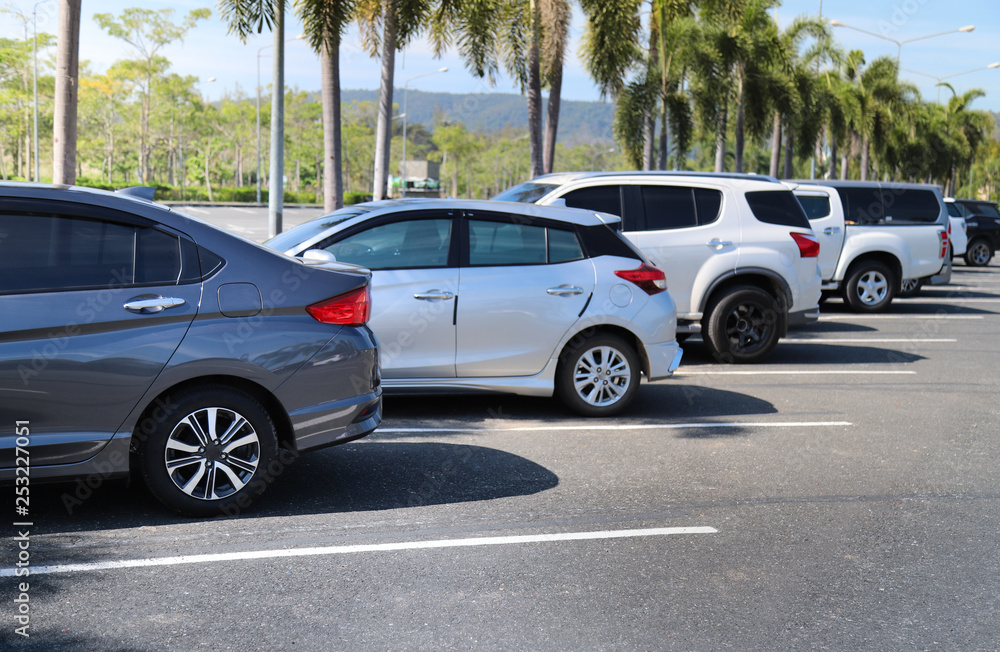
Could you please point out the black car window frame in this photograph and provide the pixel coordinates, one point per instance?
(380, 220)
(518, 219)
(186, 253)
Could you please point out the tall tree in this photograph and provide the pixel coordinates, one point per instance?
(325, 22)
(555, 16)
(148, 32)
(66, 97)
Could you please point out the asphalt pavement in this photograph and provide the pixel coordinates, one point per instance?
(841, 496)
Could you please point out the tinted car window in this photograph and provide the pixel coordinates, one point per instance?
(709, 203)
(502, 243)
(910, 205)
(777, 207)
(953, 209)
(983, 208)
(862, 205)
(606, 199)
(52, 253)
(404, 244)
(526, 193)
(815, 206)
(668, 207)
(563, 246)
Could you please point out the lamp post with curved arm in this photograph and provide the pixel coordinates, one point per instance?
(402, 171)
(900, 44)
(940, 80)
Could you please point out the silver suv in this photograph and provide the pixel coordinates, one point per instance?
(738, 250)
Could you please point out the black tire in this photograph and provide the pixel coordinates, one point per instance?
(589, 385)
(186, 461)
(910, 287)
(742, 326)
(979, 253)
(870, 287)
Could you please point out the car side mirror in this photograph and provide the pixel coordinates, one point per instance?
(319, 254)
(558, 202)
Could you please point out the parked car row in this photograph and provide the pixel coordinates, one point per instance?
(137, 340)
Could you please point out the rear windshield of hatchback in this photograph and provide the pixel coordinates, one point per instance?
(777, 207)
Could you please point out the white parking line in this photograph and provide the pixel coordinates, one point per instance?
(637, 426)
(243, 210)
(859, 340)
(953, 300)
(910, 317)
(340, 550)
(798, 372)
(192, 209)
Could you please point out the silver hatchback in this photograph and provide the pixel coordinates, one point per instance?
(503, 297)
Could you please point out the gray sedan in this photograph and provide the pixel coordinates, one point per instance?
(134, 338)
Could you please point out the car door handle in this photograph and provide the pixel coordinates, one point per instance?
(830, 230)
(434, 295)
(565, 290)
(718, 244)
(148, 304)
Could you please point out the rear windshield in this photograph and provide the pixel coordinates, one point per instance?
(777, 207)
(888, 205)
(983, 208)
(301, 233)
(526, 193)
(815, 206)
(953, 209)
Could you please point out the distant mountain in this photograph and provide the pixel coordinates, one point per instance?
(579, 122)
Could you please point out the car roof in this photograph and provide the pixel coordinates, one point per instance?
(566, 177)
(576, 216)
(74, 193)
(837, 183)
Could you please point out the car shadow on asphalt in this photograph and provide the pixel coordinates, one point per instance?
(367, 475)
(660, 402)
(804, 354)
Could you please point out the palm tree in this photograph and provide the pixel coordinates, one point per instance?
(968, 128)
(66, 98)
(746, 43)
(555, 17)
(874, 97)
(792, 88)
(611, 52)
(324, 24)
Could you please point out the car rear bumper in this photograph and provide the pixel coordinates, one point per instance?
(663, 359)
(803, 317)
(944, 276)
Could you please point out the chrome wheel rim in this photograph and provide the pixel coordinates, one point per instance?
(602, 376)
(212, 453)
(872, 288)
(980, 254)
(748, 327)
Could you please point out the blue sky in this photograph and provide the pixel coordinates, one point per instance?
(209, 52)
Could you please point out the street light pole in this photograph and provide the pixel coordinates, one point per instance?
(34, 18)
(259, 51)
(402, 170)
(900, 44)
(940, 80)
(258, 119)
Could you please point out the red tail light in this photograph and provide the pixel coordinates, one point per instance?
(351, 309)
(651, 279)
(808, 244)
(944, 240)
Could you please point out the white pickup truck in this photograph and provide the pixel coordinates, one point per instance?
(877, 239)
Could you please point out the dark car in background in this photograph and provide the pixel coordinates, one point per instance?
(982, 219)
(136, 339)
